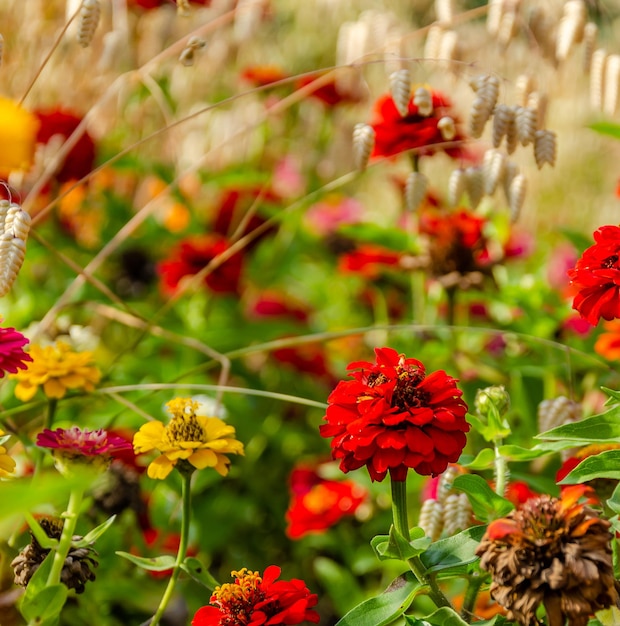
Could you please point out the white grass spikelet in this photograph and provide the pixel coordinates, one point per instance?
(597, 78)
(423, 100)
(545, 147)
(612, 84)
(516, 196)
(400, 89)
(474, 179)
(457, 185)
(88, 21)
(415, 190)
(363, 143)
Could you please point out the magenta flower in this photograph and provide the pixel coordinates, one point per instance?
(87, 447)
(12, 355)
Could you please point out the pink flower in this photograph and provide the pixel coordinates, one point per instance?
(12, 355)
(74, 443)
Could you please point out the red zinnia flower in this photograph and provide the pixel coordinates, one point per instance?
(254, 600)
(392, 417)
(76, 442)
(194, 254)
(328, 92)
(395, 133)
(596, 276)
(317, 503)
(368, 260)
(12, 355)
(81, 158)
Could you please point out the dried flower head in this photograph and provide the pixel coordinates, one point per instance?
(393, 416)
(77, 569)
(551, 551)
(253, 599)
(57, 369)
(190, 441)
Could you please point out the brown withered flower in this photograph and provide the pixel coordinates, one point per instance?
(76, 571)
(555, 552)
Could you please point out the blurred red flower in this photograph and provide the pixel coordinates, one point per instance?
(254, 600)
(329, 93)
(368, 260)
(395, 133)
(596, 276)
(261, 75)
(392, 417)
(317, 503)
(194, 254)
(81, 158)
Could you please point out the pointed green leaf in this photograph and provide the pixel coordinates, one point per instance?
(199, 572)
(600, 428)
(38, 582)
(385, 608)
(614, 396)
(608, 617)
(606, 128)
(445, 616)
(460, 549)
(153, 564)
(92, 536)
(517, 453)
(395, 546)
(47, 543)
(486, 504)
(603, 465)
(45, 606)
(614, 502)
(483, 460)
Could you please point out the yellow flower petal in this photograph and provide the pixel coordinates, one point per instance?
(25, 391)
(54, 389)
(203, 458)
(178, 453)
(222, 465)
(160, 468)
(18, 129)
(149, 437)
(7, 464)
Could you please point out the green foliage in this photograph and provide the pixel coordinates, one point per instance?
(395, 546)
(486, 504)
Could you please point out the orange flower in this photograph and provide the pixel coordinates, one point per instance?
(608, 343)
(18, 130)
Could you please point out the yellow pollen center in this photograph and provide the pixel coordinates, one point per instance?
(183, 428)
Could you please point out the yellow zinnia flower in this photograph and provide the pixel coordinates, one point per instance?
(193, 439)
(18, 133)
(7, 464)
(57, 368)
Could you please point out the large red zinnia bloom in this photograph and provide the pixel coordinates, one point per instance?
(596, 276)
(254, 600)
(12, 355)
(395, 133)
(193, 255)
(392, 417)
(317, 503)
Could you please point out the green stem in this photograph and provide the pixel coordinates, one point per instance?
(185, 518)
(66, 538)
(471, 594)
(451, 306)
(38, 453)
(401, 525)
(500, 470)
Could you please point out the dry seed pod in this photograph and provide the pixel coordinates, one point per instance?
(526, 124)
(432, 44)
(545, 147)
(511, 169)
(457, 513)
(4, 209)
(423, 100)
(449, 45)
(557, 411)
(444, 11)
(20, 223)
(494, 16)
(590, 34)
(474, 185)
(597, 78)
(479, 114)
(612, 83)
(524, 85)
(88, 20)
(538, 102)
(193, 45)
(445, 483)
(542, 27)
(466, 513)
(400, 88)
(493, 167)
(415, 191)
(457, 186)
(511, 133)
(12, 261)
(502, 115)
(516, 196)
(447, 128)
(570, 28)
(363, 143)
(489, 91)
(431, 519)
(507, 29)
(183, 8)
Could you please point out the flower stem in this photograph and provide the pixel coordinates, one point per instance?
(66, 538)
(38, 454)
(501, 470)
(471, 594)
(185, 518)
(401, 525)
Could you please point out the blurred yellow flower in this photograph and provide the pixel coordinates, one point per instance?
(57, 368)
(192, 439)
(7, 464)
(18, 133)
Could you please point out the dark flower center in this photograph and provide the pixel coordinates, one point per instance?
(406, 394)
(610, 262)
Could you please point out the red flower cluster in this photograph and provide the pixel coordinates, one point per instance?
(317, 503)
(392, 417)
(81, 158)
(368, 260)
(395, 133)
(596, 276)
(254, 600)
(76, 442)
(193, 255)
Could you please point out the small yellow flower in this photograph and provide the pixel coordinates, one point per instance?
(195, 439)
(57, 368)
(7, 464)
(18, 132)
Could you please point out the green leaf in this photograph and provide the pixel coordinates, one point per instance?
(199, 572)
(483, 460)
(603, 465)
(395, 546)
(614, 396)
(46, 605)
(153, 564)
(606, 128)
(609, 617)
(445, 616)
(600, 428)
(460, 549)
(385, 608)
(517, 453)
(92, 536)
(614, 501)
(38, 582)
(343, 585)
(392, 238)
(486, 504)
(47, 543)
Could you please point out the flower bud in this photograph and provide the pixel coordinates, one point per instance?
(490, 398)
